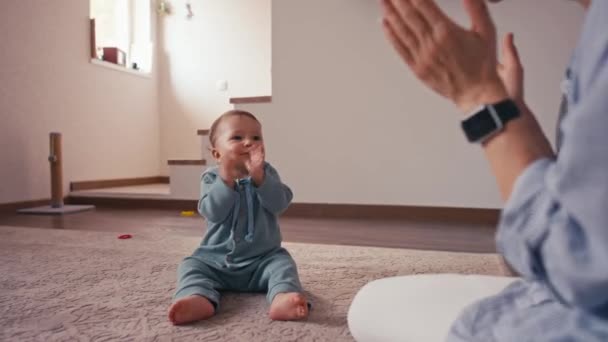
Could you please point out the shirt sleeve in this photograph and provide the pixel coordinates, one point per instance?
(554, 228)
(217, 199)
(273, 195)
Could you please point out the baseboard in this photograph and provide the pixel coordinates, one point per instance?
(394, 212)
(113, 183)
(14, 206)
(134, 203)
(322, 210)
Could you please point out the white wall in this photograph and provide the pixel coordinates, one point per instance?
(109, 119)
(350, 124)
(225, 40)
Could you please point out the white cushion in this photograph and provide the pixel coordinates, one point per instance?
(418, 307)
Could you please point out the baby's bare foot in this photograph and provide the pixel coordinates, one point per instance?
(288, 307)
(190, 309)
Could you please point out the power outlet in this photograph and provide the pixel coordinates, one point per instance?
(222, 85)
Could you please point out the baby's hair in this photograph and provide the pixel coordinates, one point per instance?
(213, 129)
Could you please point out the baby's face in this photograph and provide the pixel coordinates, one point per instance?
(237, 136)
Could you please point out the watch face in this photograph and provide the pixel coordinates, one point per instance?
(479, 126)
(489, 120)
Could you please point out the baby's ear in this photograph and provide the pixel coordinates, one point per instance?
(215, 153)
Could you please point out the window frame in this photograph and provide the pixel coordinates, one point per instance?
(131, 34)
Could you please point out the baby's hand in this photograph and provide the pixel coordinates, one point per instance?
(255, 164)
(231, 169)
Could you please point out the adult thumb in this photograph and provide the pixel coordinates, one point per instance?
(509, 50)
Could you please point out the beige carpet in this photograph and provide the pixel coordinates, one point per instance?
(60, 285)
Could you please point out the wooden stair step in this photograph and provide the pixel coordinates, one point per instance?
(187, 162)
(251, 99)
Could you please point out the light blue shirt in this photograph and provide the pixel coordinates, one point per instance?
(554, 228)
(242, 221)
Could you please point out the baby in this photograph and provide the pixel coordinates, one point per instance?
(241, 251)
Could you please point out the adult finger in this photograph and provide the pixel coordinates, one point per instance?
(398, 26)
(397, 44)
(480, 18)
(431, 12)
(411, 18)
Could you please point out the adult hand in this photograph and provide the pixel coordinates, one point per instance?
(457, 63)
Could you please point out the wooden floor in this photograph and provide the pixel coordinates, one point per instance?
(443, 236)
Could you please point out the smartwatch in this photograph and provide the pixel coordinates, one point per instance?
(488, 120)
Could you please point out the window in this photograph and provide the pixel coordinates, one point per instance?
(122, 33)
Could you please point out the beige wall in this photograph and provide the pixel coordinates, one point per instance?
(224, 40)
(349, 123)
(109, 119)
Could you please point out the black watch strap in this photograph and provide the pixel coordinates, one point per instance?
(489, 120)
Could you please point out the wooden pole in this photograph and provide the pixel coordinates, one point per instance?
(92, 38)
(56, 172)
